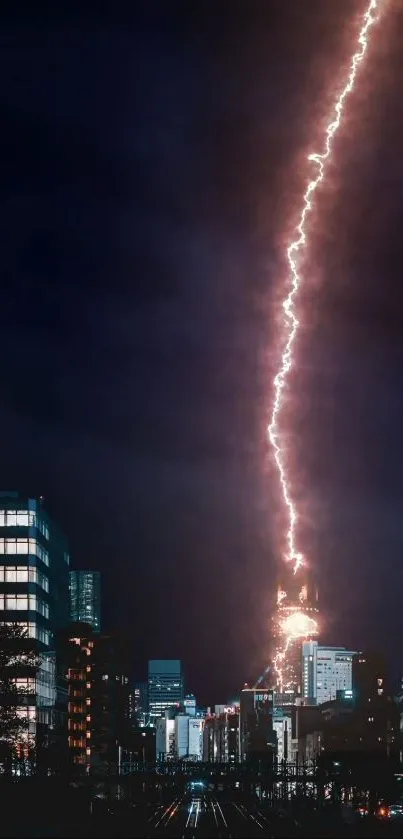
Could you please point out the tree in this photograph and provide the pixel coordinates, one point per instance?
(19, 663)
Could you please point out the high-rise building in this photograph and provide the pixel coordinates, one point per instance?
(165, 686)
(295, 620)
(85, 598)
(325, 672)
(34, 562)
(98, 709)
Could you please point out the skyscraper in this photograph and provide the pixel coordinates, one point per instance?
(34, 563)
(85, 598)
(295, 621)
(165, 686)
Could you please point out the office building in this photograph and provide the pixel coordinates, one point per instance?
(325, 672)
(34, 569)
(165, 686)
(85, 598)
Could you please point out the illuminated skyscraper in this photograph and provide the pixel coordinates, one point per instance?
(85, 598)
(295, 621)
(165, 686)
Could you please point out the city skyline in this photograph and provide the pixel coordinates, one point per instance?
(201, 418)
(166, 686)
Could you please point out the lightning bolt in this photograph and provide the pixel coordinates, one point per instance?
(291, 323)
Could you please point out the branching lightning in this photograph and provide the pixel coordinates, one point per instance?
(298, 625)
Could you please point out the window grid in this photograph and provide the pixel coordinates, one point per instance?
(23, 603)
(23, 518)
(24, 546)
(23, 574)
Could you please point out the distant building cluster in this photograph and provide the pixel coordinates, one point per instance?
(83, 708)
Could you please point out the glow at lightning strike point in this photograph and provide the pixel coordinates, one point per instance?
(298, 625)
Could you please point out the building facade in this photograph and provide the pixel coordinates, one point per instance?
(347, 728)
(295, 620)
(325, 672)
(282, 726)
(139, 703)
(190, 704)
(257, 740)
(165, 686)
(165, 737)
(85, 598)
(34, 569)
(221, 739)
(195, 738)
(98, 708)
(179, 736)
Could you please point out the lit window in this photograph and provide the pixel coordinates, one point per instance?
(24, 602)
(105, 677)
(24, 546)
(14, 518)
(88, 751)
(14, 602)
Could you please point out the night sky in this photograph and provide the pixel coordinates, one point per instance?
(152, 167)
